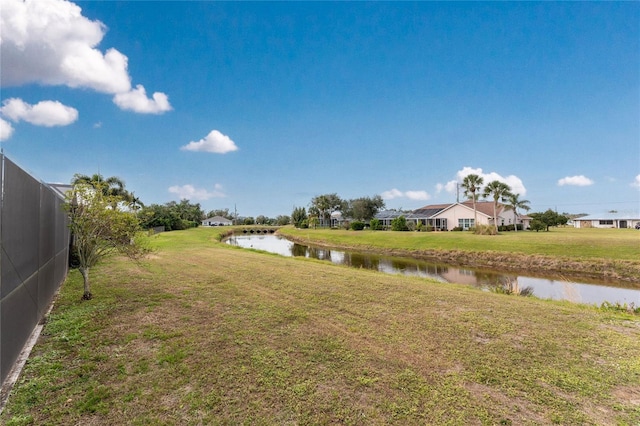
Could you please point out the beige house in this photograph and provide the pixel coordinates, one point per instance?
(445, 217)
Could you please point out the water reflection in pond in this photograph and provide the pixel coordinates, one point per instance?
(545, 288)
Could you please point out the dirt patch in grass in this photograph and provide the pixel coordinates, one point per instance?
(630, 395)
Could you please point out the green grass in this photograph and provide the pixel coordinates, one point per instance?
(620, 244)
(203, 333)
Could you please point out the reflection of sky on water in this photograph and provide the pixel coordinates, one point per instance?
(579, 292)
(542, 288)
(268, 243)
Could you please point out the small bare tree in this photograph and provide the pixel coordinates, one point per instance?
(99, 228)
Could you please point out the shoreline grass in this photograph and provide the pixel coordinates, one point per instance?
(202, 333)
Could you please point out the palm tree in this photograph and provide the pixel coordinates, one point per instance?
(135, 203)
(514, 203)
(471, 185)
(499, 191)
(110, 187)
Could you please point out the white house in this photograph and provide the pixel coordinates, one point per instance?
(608, 220)
(217, 221)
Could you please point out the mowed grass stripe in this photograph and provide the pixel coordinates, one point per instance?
(202, 333)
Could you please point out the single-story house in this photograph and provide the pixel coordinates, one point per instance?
(217, 221)
(608, 220)
(445, 217)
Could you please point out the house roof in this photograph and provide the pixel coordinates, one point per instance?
(389, 214)
(60, 189)
(483, 207)
(611, 216)
(217, 219)
(426, 212)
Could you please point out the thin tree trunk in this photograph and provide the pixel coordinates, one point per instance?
(475, 212)
(85, 276)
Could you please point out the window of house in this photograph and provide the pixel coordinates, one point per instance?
(465, 223)
(606, 222)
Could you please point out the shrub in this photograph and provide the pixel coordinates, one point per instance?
(510, 290)
(537, 225)
(375, 224)
(457, 228)
(182, 224)
(485, 230)
(429, 228)
(630, 309)
(399, 224)
(304, 224)
(411, 226)
(357, 225)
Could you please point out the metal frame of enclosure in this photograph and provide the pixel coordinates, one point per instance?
(34, 236)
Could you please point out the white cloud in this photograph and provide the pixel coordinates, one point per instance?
(49, 42)
(417, 195)
(6, 130)
(214, 142)
(636, 182)
(579, 180)
(44, 113)
(517, 187)
(136, 100)
(189, 192)
(412, 195)
(391, 194)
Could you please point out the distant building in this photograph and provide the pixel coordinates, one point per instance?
(608, 220)
(217, 221)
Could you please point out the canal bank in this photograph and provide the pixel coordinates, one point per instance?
(558, 287)
(605, 270)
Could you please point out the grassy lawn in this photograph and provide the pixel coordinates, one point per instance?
(620, 244)
(204, 333)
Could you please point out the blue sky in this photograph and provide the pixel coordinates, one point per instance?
(266, 105)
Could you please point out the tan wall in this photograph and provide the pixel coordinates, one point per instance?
(460, 212)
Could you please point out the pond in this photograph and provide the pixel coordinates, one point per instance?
(544, 288)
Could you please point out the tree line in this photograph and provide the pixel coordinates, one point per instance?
(322, 207)
(363, 210)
